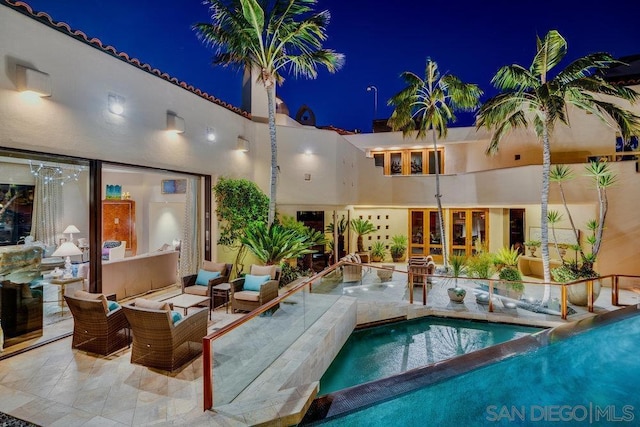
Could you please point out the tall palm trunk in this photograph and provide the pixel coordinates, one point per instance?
(544, 225)
(443, 237)
(573, 226)
(604, 207)
(269, 86)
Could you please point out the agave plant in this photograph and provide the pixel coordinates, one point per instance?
(273, 244)
(362, 227)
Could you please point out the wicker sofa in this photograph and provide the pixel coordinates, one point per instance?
(94, 329)
(161, 344)
(246, 300)
(136, 275)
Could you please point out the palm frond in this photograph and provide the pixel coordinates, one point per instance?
(514, 77)
(585, 67)
(628, 123)
(551, 50)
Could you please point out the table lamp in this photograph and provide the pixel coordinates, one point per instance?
(67, 249)
(71, 229)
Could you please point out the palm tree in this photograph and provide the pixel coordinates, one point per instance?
(531, 97)
(362, 227)
(430, 104)
(269, 36)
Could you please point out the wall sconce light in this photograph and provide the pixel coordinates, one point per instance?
(211, 134)
(34, 81)
(116, 104)
(308, 152)
(175, 123)
(242, 145)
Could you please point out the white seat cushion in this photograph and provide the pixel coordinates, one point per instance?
(197, 290)
(247, 295)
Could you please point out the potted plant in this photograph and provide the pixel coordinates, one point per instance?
(398, 247)
(457, 265)
(506, 261)
(602, 178)
(341, 228)
(362, 227)
(532, 245)
(378, 251)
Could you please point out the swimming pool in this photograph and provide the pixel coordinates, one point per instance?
(382, 351)
(566, 376)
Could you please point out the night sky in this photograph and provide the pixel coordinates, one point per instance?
(380, 40)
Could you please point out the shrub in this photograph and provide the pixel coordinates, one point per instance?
(480, 266)
(289, 274)
(513, 275)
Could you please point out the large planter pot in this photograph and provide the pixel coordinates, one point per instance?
(506, 290)
(577, 294)
(456, 294)
(398, 256)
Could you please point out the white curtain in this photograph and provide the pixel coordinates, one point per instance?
(190, 247)
(47, 207)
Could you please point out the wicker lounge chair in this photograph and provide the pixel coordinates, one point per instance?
(244, 300)
(350, 272)
(95, 330)
(158, 343)
(190, 286)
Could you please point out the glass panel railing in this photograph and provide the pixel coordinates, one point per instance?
(242, 351)
(628, 290)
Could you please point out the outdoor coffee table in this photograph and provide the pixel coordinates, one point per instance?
(186, 301)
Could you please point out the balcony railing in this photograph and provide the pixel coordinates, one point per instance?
(245, 348)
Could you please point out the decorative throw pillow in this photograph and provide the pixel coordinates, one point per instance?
(175, 317)
(253, 283)
(112, 305)
(261, 270)
(151, 304)
(204, 276)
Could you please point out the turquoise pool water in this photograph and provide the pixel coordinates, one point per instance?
(383, 351)
(591, 378)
